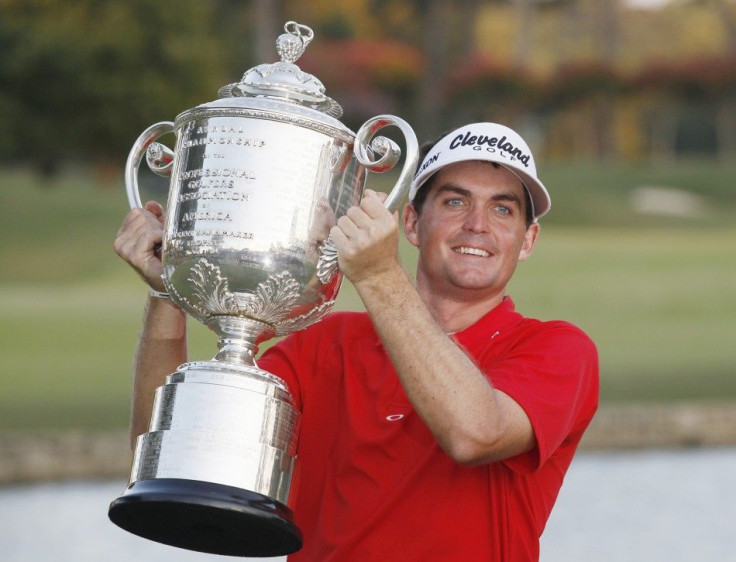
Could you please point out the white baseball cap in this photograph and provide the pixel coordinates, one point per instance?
(490, 142)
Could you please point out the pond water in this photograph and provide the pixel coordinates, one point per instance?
(650, 506)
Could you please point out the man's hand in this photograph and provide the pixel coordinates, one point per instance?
(137, 239)
(367, 239)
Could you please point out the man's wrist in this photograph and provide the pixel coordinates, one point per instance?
(155, 297)
(158, 294)
(385, 284)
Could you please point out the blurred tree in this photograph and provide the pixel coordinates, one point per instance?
(491, 90)
(435, 41)
(525, 12)
(726, 102)
(726, 12)
(266, 25)
(366, 77)
(603, 105)
(707, 85)
(574, 99)
(84, 77)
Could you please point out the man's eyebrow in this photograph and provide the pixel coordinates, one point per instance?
(507, 196)
(453, 189)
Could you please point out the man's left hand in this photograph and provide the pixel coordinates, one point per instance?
(367, 239)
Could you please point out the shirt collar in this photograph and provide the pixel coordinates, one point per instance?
(498, 320)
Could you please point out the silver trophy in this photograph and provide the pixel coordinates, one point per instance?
(258, 178)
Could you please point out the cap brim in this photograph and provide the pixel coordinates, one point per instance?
(537, 192)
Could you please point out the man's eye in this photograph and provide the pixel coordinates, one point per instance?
(454, 202)
(503, 210)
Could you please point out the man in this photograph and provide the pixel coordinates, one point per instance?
(439, 424)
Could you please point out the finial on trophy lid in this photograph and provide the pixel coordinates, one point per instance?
(284, 80)
(291, 45)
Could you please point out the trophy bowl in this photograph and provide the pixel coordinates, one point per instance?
(257, 179)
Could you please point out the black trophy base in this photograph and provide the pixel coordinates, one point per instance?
(206, 517)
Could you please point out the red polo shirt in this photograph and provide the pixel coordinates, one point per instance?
(372, 484)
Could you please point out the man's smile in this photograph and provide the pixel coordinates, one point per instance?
(471, 251)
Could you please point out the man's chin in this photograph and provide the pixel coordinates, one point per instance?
(475, 286)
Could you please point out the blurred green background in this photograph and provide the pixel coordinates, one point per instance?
(631, 111)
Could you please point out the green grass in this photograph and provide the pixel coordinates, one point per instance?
(659, 303)
(657, 295)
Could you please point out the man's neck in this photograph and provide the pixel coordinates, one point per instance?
(455, 315)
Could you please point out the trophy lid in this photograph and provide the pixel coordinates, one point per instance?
(284, 80)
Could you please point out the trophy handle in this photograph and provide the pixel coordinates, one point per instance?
(388, 154)
(160, 163)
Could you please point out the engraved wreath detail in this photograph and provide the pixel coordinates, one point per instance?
(271, 303)
(327, 264)
(210, 291)
(300, 322)
(272, 300)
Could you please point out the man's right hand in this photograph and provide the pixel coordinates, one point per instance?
(137, 240)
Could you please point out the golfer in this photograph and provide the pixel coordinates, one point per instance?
(439, 424)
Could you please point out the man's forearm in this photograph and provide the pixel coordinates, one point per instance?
(161, 349)
(470, 420)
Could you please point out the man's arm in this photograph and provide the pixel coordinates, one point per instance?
(161, 349)
(473, 422)
(162, 341)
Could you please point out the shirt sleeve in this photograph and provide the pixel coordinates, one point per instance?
(300, 358)
(553, 375)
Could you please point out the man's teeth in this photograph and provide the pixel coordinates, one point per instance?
(473, 251)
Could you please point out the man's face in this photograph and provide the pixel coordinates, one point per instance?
(471, 232)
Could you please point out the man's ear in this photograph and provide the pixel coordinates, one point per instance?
(530, 239)
(410, 218)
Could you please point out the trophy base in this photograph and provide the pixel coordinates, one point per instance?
(206, 517)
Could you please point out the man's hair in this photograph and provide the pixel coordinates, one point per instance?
(421, 195)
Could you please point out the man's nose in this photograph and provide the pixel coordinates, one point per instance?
(476, 220)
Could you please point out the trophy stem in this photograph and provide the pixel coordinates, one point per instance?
(237, 337)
